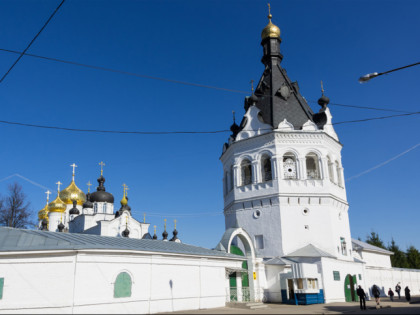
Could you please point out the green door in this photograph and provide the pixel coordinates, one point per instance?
(349, 291)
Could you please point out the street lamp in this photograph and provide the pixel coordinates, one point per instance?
(369, 76)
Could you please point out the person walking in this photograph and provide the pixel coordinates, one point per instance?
(407, 294)
(362, 297)
(391, 295)
(376, 293)
(398, 290)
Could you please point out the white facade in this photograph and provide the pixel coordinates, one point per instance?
(83, 281)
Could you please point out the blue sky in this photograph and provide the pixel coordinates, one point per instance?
(213, 43)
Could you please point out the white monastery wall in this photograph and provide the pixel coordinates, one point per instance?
(84, 282)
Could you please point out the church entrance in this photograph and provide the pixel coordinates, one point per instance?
(350, 284)
(245, 293)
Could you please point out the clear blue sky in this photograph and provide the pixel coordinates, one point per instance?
(215, 43)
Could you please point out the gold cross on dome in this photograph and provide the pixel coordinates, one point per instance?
(89, 184)
(102, 164)
(125, 189)
(269, 10)
(74, 168)
(58, 185)
(165, 223)
(252, 86)
(144, 217)
(48, 195)
(322, 88)
(175, 223)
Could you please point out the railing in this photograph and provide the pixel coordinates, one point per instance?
(245, 295)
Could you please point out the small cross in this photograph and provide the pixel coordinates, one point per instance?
(322, 88)
(175, 223)
(154, 228)
(125, 189)
(74, 167)
(48, 195)
(252, 86)
(102, 164)
(165, 223)
(89, 184)
(269, 9)
(233, 113)
(144, 217)
(59, 184)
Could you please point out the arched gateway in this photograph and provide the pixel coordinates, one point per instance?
(242, 286)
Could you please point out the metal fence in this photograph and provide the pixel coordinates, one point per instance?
(245, 295)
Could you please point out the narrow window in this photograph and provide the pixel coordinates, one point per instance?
(343, 246)
(104, 208)
(312, 168)
(1, 287)
(246, 172)
(289, 166)
(122, 285)
(312, 284)
(300, 284)
(336, 275)
(259, 242)
(266, 168)
(95, 208)
(226, 182)
(360, 276)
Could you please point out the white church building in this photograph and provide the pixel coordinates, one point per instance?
(287, 234)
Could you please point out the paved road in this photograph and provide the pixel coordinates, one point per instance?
(388, 307)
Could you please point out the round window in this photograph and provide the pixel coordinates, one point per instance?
(257, 214)
(305, 211)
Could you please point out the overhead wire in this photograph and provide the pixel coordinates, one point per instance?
(32, 41)
(178, 81)
(179, 132)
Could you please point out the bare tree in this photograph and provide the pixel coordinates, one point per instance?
(14, 209)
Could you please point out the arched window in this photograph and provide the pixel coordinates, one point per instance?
(232, 178)
(339, 180)
(104, 207)
(312, 166)
(246, 172)
(331, 170)
(266, 168)
(289, 166)
(95, 207)
(122, 285)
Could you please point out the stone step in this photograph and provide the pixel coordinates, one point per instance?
(258, 306)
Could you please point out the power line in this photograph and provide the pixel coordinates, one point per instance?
(383, 163)
(32, 41)
(179, 81)
(179, 132)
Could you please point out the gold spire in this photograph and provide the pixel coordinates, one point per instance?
(43, 213)
(165, 223)
(271, 30)
(154, 226)
(144, 217)
(175, 223)
(102, 164)
(124, 200)
(322, 88)
(88, 184)
(252, 86)
(58, 185)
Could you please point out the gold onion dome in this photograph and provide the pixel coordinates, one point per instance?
(72, 192)
(271, 30)
(57, 205)
(124, 201)
(43, 213)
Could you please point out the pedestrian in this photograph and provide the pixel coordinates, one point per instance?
(407, 294)
(362, 297)
(398, 290)
(376, 293)
(391, 295)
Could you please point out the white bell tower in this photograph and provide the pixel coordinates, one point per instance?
(283, 176)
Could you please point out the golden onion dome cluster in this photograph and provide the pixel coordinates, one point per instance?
(43, 213)
(271, 30)
(57, 205)
(72, 192)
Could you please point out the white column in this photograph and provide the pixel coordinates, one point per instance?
(239, 286)
(54, 220)
(236, 177)
(256, 174)
(324, 168)
(275, 167)
(302, 168)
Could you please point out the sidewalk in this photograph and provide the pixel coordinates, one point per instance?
(388, 307)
